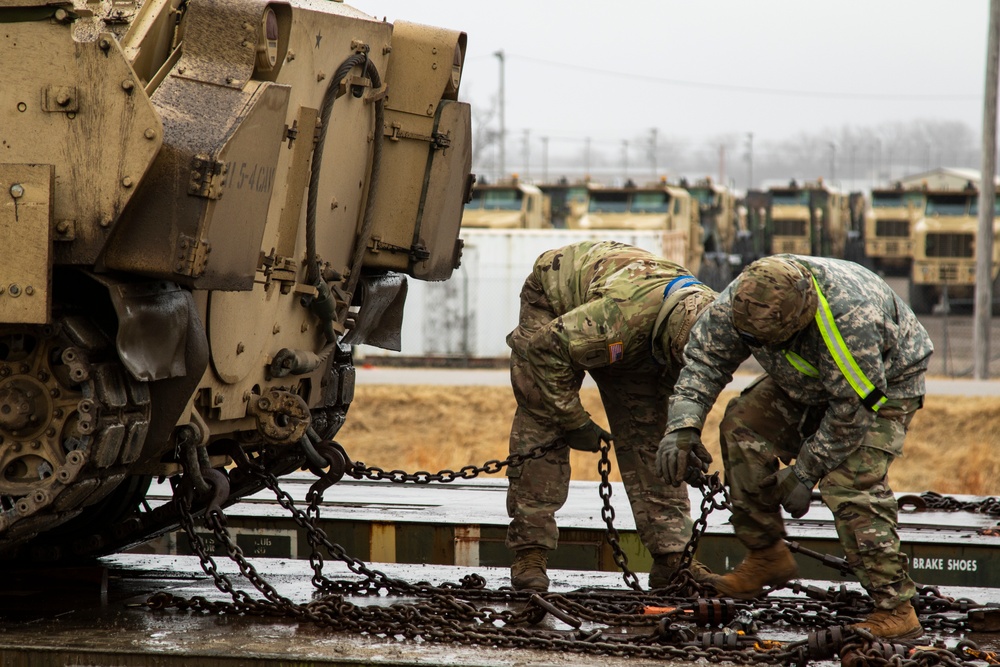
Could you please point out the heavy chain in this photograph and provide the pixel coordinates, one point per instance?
(608, 514)
(711, 486)
(443, 613)
(989, 506)
(359, 470)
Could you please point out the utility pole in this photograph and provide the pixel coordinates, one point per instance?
(625, 157)
(749, 160)
(652, 151)
(833, 163)
(586, 159)
(545, 159)
(987, 197)
(503, 128)
(527, 155)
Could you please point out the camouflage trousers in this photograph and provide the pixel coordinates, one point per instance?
(763, 425)
(635, 401)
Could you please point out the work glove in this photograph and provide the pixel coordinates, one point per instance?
(790, 490)
(587, 438)
(681, 457)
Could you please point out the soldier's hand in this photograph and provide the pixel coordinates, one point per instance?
(793, 493)
(681, 456)
(587, 438)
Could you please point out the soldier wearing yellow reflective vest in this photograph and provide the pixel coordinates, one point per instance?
(844, 361)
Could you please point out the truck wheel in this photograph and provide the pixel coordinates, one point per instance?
(923, 298)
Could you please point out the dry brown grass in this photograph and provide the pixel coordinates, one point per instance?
(953, 445)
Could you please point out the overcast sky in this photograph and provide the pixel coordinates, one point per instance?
(699, 69)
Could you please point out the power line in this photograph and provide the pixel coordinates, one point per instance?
(624, 74)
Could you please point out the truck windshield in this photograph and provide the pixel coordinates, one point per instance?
(891, 200)
(704, 196)
(793, 198)
(974, 207)
(608, 202)
(948, 205)
(650, 202)
(507, 199)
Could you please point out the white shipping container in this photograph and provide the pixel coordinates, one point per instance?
(469, 315)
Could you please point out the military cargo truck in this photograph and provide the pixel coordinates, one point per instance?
(944, 248)
(890, 221)
(567, 203)
(808, 219)
(507, 205)
(717, 212)
(724, 232)
(204, 206)
(658, 206)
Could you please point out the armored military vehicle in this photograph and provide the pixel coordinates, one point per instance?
(944, 248)
(509, 204)
(203, 206)
(724, 231)
(567, 202)
(662, 207)
(803, 219)
(890, 222)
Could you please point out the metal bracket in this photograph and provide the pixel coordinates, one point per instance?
(438, 140)
(351, 83)
(207, 177)
(417, 252)
(61, 99)
(192, 256)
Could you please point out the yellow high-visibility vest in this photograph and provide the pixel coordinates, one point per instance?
(871, 396)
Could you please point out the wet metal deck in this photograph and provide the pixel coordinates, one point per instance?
(464, 523)
(88, 624)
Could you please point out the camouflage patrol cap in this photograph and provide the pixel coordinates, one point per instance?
(773, 299)
(678, 314)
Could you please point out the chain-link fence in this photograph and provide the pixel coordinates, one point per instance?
(954, 353)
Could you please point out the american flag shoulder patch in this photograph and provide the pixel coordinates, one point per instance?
(615, 352)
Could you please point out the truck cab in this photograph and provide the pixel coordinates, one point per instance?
(567, 203)
(509, 205)
(660, 206)
(944, 248)
(889, 223)
(809, 219)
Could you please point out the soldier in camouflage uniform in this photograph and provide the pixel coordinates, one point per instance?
(623, 315)
(845, 360)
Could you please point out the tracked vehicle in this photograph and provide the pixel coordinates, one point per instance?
(203, 206)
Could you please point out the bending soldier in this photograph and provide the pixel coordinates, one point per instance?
(623, 315)
(845, 361)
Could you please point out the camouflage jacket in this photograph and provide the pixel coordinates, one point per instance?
(606, 296)
(890, 346)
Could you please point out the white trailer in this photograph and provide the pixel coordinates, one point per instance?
(469, 315)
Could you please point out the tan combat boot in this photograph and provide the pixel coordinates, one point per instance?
(898, 623)
(527, 573)
(772, 566)
(665, 566)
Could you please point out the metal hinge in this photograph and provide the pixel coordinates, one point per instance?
(207, 177)
(192, 256)
(417, 252)
(438, 140)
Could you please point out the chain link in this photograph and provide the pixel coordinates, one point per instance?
(359, 470)
(446, 614)
(608, 514)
